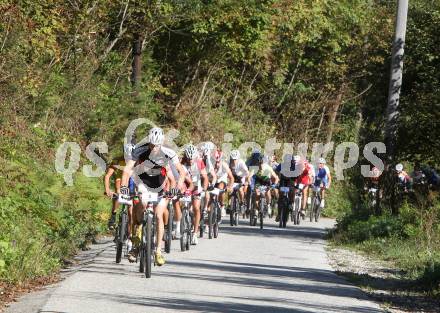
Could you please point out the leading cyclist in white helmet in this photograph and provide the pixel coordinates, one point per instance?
(149, 164)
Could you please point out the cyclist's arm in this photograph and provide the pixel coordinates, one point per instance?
(182, 174)
(128, 170)
(246, 173)
(230, 176)
(107, 176)
(275, 177)
(189, 182)
(171, 178)
(205, 179)
(214, 176)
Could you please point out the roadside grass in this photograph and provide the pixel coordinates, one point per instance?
(43, 221)
(410, 241)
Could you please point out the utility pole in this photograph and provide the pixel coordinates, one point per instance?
(395, 80)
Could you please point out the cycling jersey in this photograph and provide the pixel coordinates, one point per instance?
(239, 170)
(263, 175)
(151, 165)
(322, 176)
(194, 171)
(304, 177)
(222, 172)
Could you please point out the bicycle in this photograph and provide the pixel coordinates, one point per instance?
(186, 222)
(315, 205)
(168, 234)
(148, 240)
(214, 214)
(297, 204)
(261, 205)
(235, 209)
(284, 206)
(121, 231)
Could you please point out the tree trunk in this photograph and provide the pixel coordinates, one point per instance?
(333, 113)
(136, 64)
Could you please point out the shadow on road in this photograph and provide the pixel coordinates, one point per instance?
(225, 305)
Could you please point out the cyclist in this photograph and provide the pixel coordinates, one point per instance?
(115, 169)
(196, 169)
(287, 179)
(207, 149)
(240, 172)
(323, 178)
(176, 202)
(306, 178)
(403, 178)
(150, 164)
(264, 176)
(225, 178)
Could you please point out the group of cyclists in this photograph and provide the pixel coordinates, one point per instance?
(153, 168)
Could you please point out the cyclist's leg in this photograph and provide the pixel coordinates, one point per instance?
(177, 216)
(196, 210)
(206, 201)
(160, 210)
(304, 197)
(322, 196)
(241, 193)
(269, 196)
(221, 197)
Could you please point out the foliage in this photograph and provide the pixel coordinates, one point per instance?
(298, 70)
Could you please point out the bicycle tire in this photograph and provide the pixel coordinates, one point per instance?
(317, 210)
(217, 217)
(312, 209)
(148, 245)
(183, 231)
(121, 233)
(210, 224)
(169, 233)
(281, 212)
(232, 211)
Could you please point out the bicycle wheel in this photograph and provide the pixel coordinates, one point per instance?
(169, 229)
(297, 211)
(211, 223)
(121, 233)
(317, 209)
(261, 211)
(312, 209)
(183, 231)
(217, 217)
(281, 212)
(292, 213)
(147, 245)
(232, 211)
(189, 232)
(202, 224)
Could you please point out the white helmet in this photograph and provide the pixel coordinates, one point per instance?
(399, 167)
(156, 136)
(190, 151)
(322, 161)
(296, 158)
(207, 147)
(235, 154)
(128, 148)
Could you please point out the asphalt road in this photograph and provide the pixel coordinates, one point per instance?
(244, 270)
